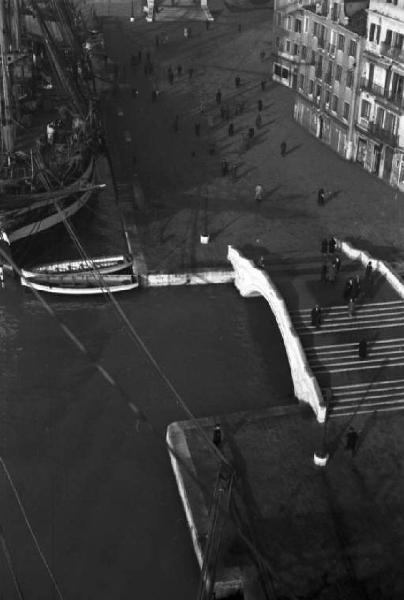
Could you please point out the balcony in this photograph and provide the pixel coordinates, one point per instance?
(394, 53)
(395, 99)
(384, 135)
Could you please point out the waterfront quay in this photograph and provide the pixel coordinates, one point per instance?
(320, 532)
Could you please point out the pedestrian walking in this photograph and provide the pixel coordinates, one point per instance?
(332, 275)
(179, 70)
(351, 307)
(321, 197)
(316, 316)
(225, 167)
(237, 81)
(251, 133)
(332, 244)
(234, 168)
(197, 128)
(190, 72)
(231, 130)
(352, 439)
(176, 123)
(258, 121)
(356, 287)
(218, 97)
(283, 149)
(336, 263)
(369, 272)
(324, 273)
(260, 105)
(263, 85)
(363, 349)
(259, 193)
(324, 246)
(348, 289)
(217, 435)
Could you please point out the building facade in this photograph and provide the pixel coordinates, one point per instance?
(318, 53)
(380, 120)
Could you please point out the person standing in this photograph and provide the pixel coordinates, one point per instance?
(259, 193)
(352, 439)
(237, 81)
(260, 105)
(251, 133)
(258, 121)
(363, 349)
(332, 244)
(351, 307)
(348, 289)
(207, 25)
(332, 275)
(283, 149)
(316, 316)
(336, 263)
(179, 70)
(324, 273)
(321, 197)
(225, 167)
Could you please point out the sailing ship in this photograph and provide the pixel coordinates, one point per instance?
(47, 157)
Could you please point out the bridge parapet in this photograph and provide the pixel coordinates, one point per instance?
(252, 281)
(378, 265)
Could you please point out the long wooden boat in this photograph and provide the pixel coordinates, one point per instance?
(79, 284)
(100, 264)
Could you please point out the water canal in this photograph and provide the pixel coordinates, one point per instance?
(99, 493)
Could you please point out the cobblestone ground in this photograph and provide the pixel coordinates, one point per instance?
(183, 185)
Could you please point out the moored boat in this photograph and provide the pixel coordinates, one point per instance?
(78, 284)
(99, 264)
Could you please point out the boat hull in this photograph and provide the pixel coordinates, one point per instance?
(102, 264)
(53, 288)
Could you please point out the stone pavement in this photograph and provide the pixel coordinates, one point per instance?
(182, 181)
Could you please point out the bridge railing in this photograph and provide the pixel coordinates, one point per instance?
(252, 281)
(378, 265)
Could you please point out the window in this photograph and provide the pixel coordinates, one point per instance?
(389, 122)
(311, 86)
(288, 46)
(285, 74)
(349, 79)
(341, 42)
(301, 81)
(346, 110)
(335, 12)
(352, 48)
(295, 50)
(338, 73)
(313, 57)
(298, 26)
(365, 109)
(304, 52)
(398, 41)
(318, 91)
(279, 18)
(277, 43)
(334, 103)
(379, 116)
(306, 25)
(327, 98)
(277, 70)
(389, 35)
(315, 29)
(372, 32)
(289, 23)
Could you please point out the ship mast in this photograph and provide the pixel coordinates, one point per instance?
(6, 113)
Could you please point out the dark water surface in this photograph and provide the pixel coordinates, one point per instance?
(100, 495)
